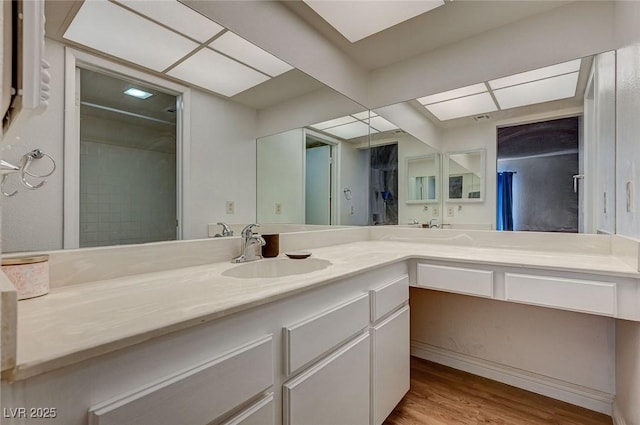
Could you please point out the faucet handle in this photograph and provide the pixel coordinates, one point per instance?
(226, 230)
(248, 230)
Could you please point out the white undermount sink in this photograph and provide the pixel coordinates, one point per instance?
(276, 268)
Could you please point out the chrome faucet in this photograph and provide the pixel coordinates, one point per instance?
(433, 223)
(226, 231)
(249, 242)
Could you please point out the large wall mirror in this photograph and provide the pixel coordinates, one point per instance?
(350, 166)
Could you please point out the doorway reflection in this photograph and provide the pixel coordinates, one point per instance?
(127, 162)
(384, 184)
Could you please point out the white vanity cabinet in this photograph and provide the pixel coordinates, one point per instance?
(390, 347)
(195, 396)
(336, 353)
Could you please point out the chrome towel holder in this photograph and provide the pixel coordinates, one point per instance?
(7, 168)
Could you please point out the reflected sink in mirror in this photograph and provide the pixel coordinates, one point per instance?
(277, 268)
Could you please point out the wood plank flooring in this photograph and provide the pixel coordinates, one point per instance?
(440, 395)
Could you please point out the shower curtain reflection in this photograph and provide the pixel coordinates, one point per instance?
(384, 184)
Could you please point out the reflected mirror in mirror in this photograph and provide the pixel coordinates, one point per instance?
(465, 176)
(423, 178)
(315, 175)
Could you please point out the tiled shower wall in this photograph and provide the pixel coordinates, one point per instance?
(127, 195)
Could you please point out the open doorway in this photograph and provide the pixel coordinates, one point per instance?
(128, 161)
(538, 172)
(319, 180)
(383, 192)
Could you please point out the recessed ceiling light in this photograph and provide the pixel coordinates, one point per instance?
(111, 29)
(140, 94)
(364, 115)
(351, 130)
(463, 107)
(217, 73)
(452, 94)
(536, 74)
(554, 88)
(246, 52)
(359, 19)
(177, 16)
(332, 123)
(382, 124)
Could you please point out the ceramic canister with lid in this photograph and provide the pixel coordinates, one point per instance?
(29, 274)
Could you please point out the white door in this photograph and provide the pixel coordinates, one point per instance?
(318, 185)
(390, 371)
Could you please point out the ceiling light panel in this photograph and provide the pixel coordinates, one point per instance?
(140, 94)
(452, 94)
(463, 107)
(177, 16)
(555, 88)
(359, 19)
(246, 52)
(364, 115)
(350, 131)
(109, 28)
(332, 123)
(217, 73)
(381, 124)
(536, 74)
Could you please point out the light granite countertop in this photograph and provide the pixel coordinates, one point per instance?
(77, 322)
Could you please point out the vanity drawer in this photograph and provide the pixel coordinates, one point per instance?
(456, 279)
(197, 395)
(311, 338)
(386, 298)
(568, 294)
(260, 413)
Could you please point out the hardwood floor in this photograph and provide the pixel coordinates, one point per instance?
(440, 395)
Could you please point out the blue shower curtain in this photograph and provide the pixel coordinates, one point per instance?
(505, 200)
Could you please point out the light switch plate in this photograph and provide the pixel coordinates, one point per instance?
(278, 208)
(435, 212)
(231, 207)
(450, 211)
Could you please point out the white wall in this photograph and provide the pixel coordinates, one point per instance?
(628, 133)
(220, 166)
(354, 175)
(520, 336)
(628, 371)
(281, 177)
(32, 219)
(628, 223)
(605, 105)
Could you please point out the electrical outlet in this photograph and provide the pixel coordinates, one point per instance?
(450, 212)
(435, 212)
(231, 207)
(353, 211)
(278, 208)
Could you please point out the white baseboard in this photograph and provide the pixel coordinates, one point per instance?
(618, 418)
(571, 393)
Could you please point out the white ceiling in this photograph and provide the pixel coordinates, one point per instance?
(452, 22)
(455, 21)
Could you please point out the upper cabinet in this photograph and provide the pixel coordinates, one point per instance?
(465, 173)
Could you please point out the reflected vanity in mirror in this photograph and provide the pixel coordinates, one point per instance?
(465, 175)
(423, 178)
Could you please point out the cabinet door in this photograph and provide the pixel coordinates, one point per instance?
(390, 371)
(334, 391)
